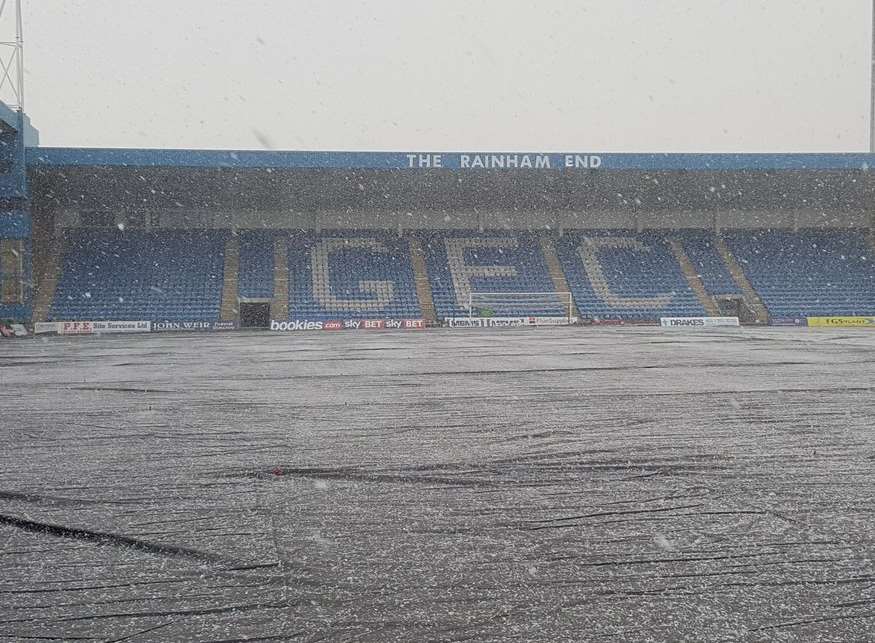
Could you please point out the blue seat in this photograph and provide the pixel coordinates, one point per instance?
(351, 275)
(514, 258)
(808, 273)
(136, 275)
(625, 275)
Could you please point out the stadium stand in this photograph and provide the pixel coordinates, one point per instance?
(624, 275)
(491, 262)
(613, 275)
(351, 275)
(136, 275)
(333, 235)
(808, 273)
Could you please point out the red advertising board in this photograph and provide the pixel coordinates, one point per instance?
(76, 328)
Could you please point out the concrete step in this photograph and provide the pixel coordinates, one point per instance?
(751, 297)
(11, 257)
(279, 306)
(557, 275)
(229, 310)
(47, 278)
(693, 278)
(423, 286)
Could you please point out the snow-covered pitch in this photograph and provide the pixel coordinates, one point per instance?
(557, 484)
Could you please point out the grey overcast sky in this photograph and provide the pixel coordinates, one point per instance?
(498, 75)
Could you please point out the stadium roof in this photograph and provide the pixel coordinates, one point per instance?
(107, 179)
(97, 157)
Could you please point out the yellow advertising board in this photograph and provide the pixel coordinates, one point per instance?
(842, 322)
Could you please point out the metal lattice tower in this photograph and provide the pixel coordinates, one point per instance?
(12, 69)
(11, 55)
(12, 80)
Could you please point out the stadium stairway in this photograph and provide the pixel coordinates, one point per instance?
(228, 310)
(751, 297)
(420, 277)
(693, 277)
(556, 273)
(48, 272)
(279, 305)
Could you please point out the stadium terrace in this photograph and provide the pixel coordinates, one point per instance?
(121, 240)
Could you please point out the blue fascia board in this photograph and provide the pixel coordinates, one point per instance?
(121, 157)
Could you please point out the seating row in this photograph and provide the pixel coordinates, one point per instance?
(614, 274)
